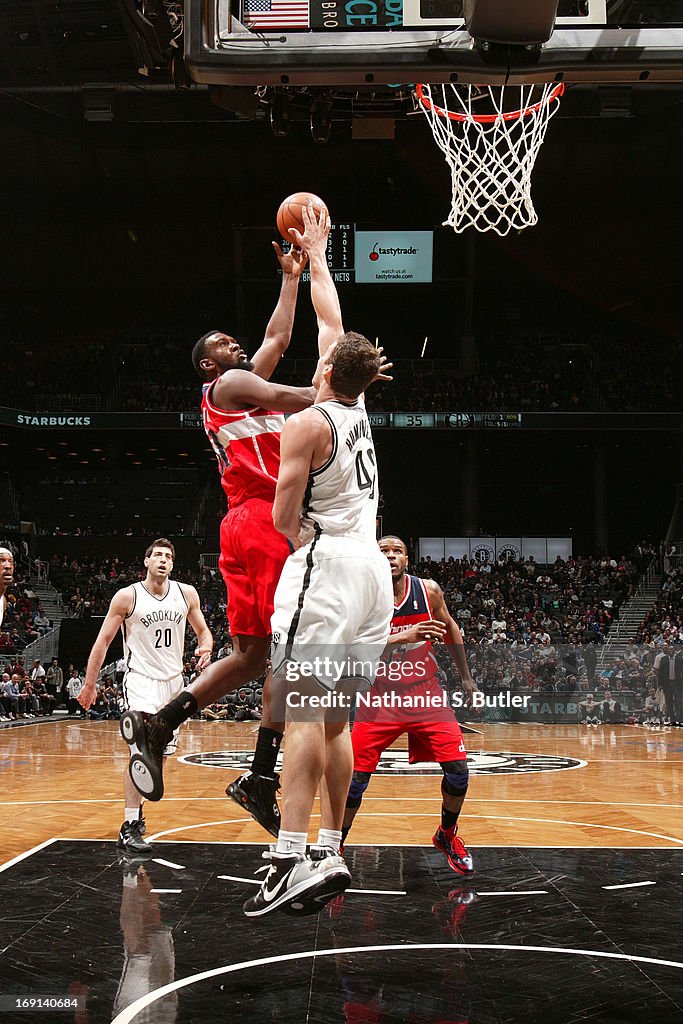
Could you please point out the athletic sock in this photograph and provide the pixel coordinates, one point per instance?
(133, 814)
(267, 749)
(448, 818)
(290, 842)
(179, 709)
(329, 837)
(344, 833)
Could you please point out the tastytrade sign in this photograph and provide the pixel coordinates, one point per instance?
(394, 257)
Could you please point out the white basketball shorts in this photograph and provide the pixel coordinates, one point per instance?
(150, 695)
(333, 609)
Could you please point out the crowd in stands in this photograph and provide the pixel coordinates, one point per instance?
(47, 367)
(520, 602)
(527, 627)
(531, 381)
(148, 369)
(639, 377)
(664, 623)
(25, 619)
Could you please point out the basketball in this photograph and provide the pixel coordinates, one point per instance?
(289, 215)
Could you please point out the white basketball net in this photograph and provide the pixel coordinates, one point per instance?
(491, 156)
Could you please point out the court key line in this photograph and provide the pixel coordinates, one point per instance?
(132, 1011)
(367, 799)
(416, 846)
(27, 853)
(362, 892)
(628, 885)
(517, 892)
(493, 817)
(583, 824)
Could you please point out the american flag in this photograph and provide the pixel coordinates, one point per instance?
(265, 14)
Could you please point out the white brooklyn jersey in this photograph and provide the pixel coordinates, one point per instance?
(341, 497)
(154, 632)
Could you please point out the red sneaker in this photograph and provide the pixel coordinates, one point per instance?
(453, 848)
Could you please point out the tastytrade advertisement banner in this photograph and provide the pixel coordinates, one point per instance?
(394, 257)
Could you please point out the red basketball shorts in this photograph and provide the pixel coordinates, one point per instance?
(252, 556)
(439, 740)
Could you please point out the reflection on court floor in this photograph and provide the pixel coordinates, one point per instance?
(540, 934)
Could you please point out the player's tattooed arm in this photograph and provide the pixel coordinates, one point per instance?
(279, 330)
(452, 636)
(240, 389)
(197, 621)
(120, 607)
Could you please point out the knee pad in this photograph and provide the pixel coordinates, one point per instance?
(456, 777)
(359, 783)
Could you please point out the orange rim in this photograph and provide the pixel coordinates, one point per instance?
(511, 115)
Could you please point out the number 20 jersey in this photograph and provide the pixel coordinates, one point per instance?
(154, 633)
(341, 497)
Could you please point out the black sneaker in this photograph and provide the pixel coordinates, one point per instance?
(131, 844)
(294, 884)
(258, 795)
(148, 740)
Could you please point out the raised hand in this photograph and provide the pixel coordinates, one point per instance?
(316, 230)
(292, 262)
(384, 367)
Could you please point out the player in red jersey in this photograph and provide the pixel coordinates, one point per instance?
(409, 699)
(242, 411)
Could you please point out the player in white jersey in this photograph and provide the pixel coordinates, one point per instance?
(333, 608)
(6, 577)
(151, 615)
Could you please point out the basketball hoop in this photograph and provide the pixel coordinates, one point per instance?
(491, 151)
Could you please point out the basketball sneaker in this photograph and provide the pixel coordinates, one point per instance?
(257, 795)
(298, 885)
(453, 848)
(130, 842)
(147, 738)
(334, 878)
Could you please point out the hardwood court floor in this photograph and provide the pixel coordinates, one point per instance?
(621, 788)
(565, 922)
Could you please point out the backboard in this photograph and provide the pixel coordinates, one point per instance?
(361, 43)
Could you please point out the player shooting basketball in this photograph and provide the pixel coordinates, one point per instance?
(242, 413)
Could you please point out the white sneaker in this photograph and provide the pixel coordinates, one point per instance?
(298, 885)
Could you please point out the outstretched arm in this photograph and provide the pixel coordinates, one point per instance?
(241, 389)
(323, 291)
(279, 330)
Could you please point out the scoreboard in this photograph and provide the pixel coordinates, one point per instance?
(340, 254)
(378, 257)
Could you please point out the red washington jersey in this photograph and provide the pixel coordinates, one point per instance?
(246, 443)
(414, 607)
